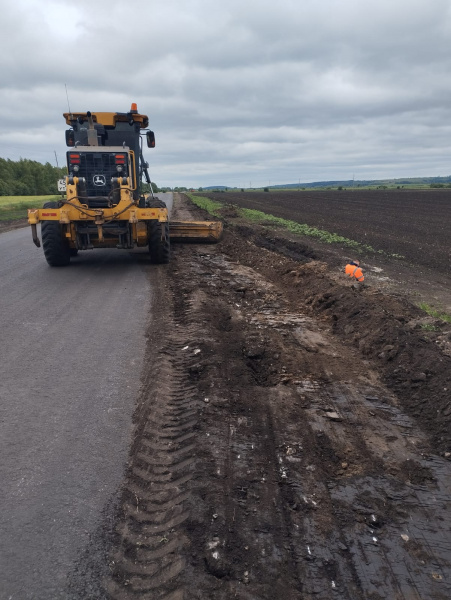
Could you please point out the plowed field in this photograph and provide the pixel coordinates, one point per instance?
(414, 224)
(293, 434)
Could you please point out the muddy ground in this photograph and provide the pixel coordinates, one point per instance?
(414, 224)
(409, 231)
(11, 224)
(293, 434)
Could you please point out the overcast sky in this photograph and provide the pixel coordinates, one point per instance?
(238, 93)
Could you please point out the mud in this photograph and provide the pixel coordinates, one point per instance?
(413, 224)
(11, 224)
(292, 435)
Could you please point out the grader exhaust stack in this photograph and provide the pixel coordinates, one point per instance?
(105, 206)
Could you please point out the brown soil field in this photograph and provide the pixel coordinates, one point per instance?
(415, 224)
(293, 433)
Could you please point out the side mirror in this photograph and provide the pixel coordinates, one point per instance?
(70, 137)
(150, 139)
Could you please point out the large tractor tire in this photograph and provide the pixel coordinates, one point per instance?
(56, 249)
(159, 248)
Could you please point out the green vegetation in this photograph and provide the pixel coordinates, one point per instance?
(211, 206)
(28, 177)
(429, 327)
(15, 207)
(145, 188)
(437, 314)
(406, 183)
(302, 229)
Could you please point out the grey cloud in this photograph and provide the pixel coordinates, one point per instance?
(237, 90)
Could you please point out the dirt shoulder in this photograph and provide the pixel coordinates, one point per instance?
(387, 328)
(409, 230)
(12, 224)
(292, 435)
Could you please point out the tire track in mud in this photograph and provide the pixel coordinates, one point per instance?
(149, 558)
(269, 461)
(319, 486)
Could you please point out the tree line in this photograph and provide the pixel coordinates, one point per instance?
(26, 177)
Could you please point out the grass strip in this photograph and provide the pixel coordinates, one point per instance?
(211, 206)
(15, 207)
(437, 314)
(429, 327)
(214, 207)
(303, 229)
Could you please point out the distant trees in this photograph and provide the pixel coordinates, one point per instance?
(28, 178)
(145, 187)
(31, 178)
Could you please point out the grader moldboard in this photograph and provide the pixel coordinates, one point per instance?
(104, 206)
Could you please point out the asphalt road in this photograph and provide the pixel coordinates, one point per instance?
(71, 355)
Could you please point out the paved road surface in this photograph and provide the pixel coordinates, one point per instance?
(71, 353)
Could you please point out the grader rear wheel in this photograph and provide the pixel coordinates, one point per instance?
(159, 245)
(56, 249)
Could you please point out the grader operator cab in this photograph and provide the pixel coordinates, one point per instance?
(105, 206)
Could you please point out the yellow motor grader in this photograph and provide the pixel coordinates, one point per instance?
(104, 206)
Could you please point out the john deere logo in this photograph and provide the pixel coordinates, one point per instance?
(99, 180)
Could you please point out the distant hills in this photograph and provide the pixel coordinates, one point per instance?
(350, 183)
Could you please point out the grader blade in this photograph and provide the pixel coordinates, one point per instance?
(206, 232)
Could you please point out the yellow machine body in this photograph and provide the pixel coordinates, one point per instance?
(107, 152)
(73, 212)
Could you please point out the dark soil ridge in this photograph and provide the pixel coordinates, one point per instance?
(409, 231)
(382, 328)
(300, 448)
(414, 224)
(264, 463)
